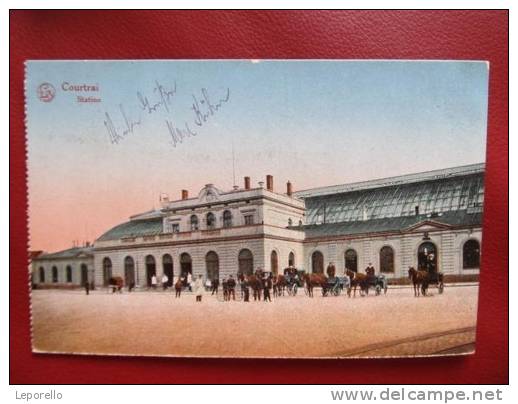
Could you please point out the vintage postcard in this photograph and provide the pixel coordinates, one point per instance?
(255, 208)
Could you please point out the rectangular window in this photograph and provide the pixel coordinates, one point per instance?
(249, 219)
(175, 228)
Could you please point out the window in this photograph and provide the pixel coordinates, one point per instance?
(194, 223)
(471, 255)
(291, 260)
(387, 259)
(227, 218)
(175, 228)
(274, 263)
(211, 220)
(212, 264)
(249, 219)
(317, 262)
(69, 274)
(54, 274)
(351, 260)
(42, 275)
(150, 269)
(107, 271)
(167, 268)
(129, 271)
(245, 262)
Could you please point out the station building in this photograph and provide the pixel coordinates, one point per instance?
(393, 223)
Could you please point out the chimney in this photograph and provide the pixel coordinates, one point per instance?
(247, 182)
(185, 194)
(289, 190)
(269, 182)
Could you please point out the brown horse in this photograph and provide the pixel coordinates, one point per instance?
(312, 280)
(419, 279)
(178, 287)
(116, 283)
(357, 279)
(279, 285)
(256, 283)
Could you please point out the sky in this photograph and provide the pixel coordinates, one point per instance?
(164, 126)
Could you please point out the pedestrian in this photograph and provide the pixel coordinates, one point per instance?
(225, 289)
(189, 281)
(215, 285)
(231, 284)
(153, 281)
(165, 280)
(267, 284)
(87, 288)
(246, 291)
(198, 288)
(178, 287)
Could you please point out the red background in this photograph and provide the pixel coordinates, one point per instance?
(481, 35)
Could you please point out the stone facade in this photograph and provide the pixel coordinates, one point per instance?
(273, 229)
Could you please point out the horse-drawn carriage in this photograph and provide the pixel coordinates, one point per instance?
(379, 283)
(422, 279)
(335, 285)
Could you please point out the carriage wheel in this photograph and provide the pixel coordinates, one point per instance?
(441, 288)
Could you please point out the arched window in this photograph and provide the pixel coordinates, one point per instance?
(84, 275)
(69, 273)
(227, 218)
(129, 271)
(167, 267)
(185, 264)
(386, 259)
(42, 275)
(212, 265)
(291, 259)
(211, 220)
(107, 270)
(351, 260)
(317, 262)
(274, 262)
(194, 223)
(246, 262)
(54, 275)
(150, 268)
(471, 254)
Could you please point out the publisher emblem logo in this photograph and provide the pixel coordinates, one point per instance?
(46, 92)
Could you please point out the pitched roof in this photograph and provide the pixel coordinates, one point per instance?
(134, 228)
(73, 252)
(393, 224)
(460, 190)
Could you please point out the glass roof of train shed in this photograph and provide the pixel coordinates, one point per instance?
(429, 193)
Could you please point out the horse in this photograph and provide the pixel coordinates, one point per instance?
(417, 277)
(116, 284)
(279, 285)
(256, 283)
(357, 279)
(312, 280)
(438, 280)
(178, 287)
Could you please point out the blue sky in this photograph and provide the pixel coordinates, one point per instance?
(314, 123)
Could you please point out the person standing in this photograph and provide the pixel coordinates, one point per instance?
(215, 286)
(198, 288)
(189, 281)
(267, 285)
(87, 288)
(231, 284)
(153, 281)
(165, 279)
